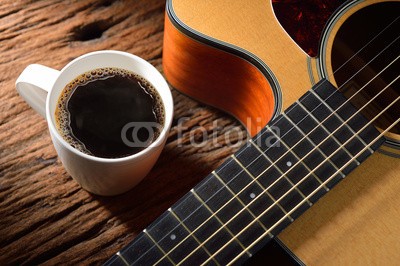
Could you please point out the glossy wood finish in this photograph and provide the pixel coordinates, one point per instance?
(197, 55)
(357, 222)
(206, 74)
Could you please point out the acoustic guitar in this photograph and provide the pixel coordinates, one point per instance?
(313, 122)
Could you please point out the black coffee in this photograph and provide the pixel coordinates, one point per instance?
(109, 113)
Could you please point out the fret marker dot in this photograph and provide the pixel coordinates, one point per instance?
(173, 237)
(252, 195)
(289, 163)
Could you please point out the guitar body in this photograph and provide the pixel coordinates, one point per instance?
(235, 55)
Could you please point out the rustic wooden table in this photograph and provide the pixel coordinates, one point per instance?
(45, 216)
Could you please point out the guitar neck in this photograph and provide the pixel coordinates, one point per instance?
(261, 189)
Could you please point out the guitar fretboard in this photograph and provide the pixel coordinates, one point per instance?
(262, 188)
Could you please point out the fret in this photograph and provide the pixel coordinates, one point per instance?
(357, 122)
(274, 151)
(166, 225)
(312, 163)
(122, 259)
(335, 123)
(332, 124)
(265, 166)
(269, 175)
(198, 219)
(143, 251)
(252, 230)
(345, 132)
(198, 257)
(253, 163)
(286, 163)
(253, 195)
(206, 226)
(223, 207)
(330, 147)
(168, 232)
(255, 179)
(318, 135)
(117, 260)
(258, 165)
(346, 110)
(296, 170)
(295, 195)
(303, 148)
(255, 203)
(158, 246)
(222, 234)
(276, 191)
(265, 139)
(285, 183)
(244, 205)
(237, 179)
(217, 198)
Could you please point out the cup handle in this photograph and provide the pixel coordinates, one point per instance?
(34, 84)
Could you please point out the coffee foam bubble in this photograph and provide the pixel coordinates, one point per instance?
(62, 115)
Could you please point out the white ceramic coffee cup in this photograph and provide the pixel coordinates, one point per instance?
(41, 87)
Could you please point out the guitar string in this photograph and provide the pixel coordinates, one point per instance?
(283, 154)
(294, 165)
(304, 178)
(361, 49)
(289, 150)
(225, 204)
(337, 91)
(309, 196)
(368, 43)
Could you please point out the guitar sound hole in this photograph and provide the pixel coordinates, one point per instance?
(368, 33)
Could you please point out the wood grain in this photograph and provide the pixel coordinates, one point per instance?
(45, 216)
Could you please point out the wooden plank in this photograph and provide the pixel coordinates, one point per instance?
(45, 216)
